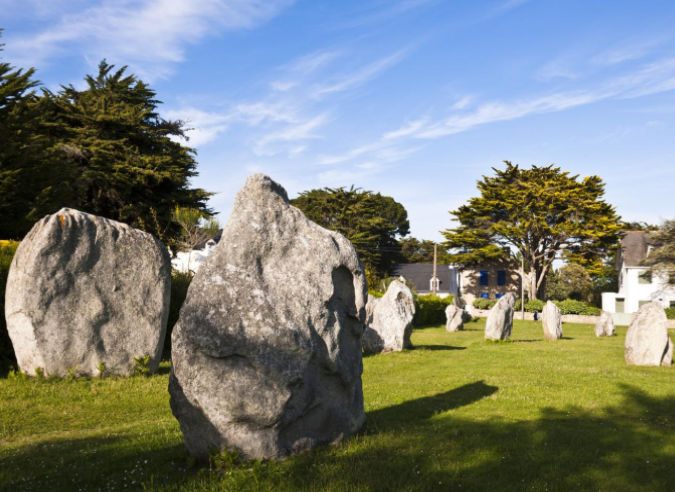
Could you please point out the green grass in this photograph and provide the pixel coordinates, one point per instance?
(456, 413)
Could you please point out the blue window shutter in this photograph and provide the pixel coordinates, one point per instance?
(484, 295)
(499, 296)
(484, 277)
(501, 277)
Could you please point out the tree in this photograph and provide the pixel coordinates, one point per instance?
(17, 112)
(104, 150)
(661, 260)
(195, 227)
(421, 251)
(572, 281)
(371, 221)
(536, 212)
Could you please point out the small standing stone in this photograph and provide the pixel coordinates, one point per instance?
(455, 318)
(551, 317)
(500, 320)
(604, 327)
(391, 325)
(647, 341)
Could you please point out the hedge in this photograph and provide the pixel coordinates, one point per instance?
(568, 306)
(430, 309)
(670, 313)
(7, 250)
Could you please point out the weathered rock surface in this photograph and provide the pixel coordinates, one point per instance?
(84, 290)
(266, 355)
(390, 328)
(455, 318)
(551, 320)
(604, 327)
(647, 341)
(500, 320)
(370, 308)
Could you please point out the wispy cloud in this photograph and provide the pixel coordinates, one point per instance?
(507, 6)
(150, 35)
(376, 13)
(298, 71)
(650, 79)
(359, 77)
(290, 134)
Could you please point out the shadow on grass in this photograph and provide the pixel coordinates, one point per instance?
(437, 347)
(418, 445)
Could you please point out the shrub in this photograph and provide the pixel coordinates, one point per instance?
(375, 293)
(670, 313)
(570, 306)
(180, 282)
(480, 303)
(430, 309)
(7, 251)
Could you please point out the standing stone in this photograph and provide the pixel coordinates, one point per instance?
(391, 324)
(266, 355)
(647, 341)
(84, 290)
(604, 327)
(455, 318)
(551, 320)
(500, 320)
(370, 308)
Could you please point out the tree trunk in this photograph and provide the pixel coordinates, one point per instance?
(532, 284)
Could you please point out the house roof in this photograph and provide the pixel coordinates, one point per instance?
(420, 275)
(634, 246)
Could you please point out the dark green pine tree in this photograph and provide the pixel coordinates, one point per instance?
(130, 167)
(371, 221)
(21, 150)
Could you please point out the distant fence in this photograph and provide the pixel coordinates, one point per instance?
(620, 319)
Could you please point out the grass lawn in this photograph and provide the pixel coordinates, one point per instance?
(456, 413)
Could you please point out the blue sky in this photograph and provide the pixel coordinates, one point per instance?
(412, 98)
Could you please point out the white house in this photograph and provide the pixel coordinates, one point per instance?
(192, 260)
(634, 288)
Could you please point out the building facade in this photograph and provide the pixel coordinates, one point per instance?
(635, 289)
(489, 281)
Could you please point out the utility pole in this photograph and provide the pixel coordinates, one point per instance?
(434, 279)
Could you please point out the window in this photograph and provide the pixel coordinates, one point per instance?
(501, 277)
(672, 304)
(484, 277)
(642, 303)
(484, 295)
(499, 296)
(620, 305)
(643, 279)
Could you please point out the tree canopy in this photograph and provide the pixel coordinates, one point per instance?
(537, 213)
(661, 260)
(414, 250)
(104, 150)
(571, 281)
(371, 221)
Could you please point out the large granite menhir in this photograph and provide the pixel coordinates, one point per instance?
(389, 324)
(647, 341)
(551, 320)
(84, 290)
(500, 320)
(266, 355)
